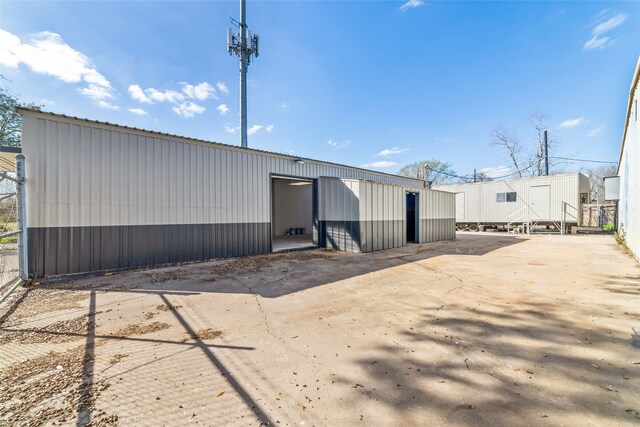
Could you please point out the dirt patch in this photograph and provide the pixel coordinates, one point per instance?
(159, 278)
(51, 388)
(135, 329)
(38, 301)
(203, 334)
(117, 358)
(257, 263)
(149, 315)
(55, 333)
(165, 307)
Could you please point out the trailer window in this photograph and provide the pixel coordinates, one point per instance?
(584, 197)
(506, 197)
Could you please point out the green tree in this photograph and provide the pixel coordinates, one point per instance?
(10, 121)
(430, 170)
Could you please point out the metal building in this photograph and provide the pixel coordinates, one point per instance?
(106, 197)
(628, 171)
(554, 200)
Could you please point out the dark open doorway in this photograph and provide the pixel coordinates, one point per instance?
(412, 218)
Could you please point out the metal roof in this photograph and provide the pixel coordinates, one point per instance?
(219, 144)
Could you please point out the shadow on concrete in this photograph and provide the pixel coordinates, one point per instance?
(529, 344)
(625, 285)
(276, 275)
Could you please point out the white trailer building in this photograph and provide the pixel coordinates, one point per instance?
(629, 171)
(554, 200)
(107, 197)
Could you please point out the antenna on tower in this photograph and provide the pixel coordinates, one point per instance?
(244, 45)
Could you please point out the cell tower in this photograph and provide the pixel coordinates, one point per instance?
(245, 45)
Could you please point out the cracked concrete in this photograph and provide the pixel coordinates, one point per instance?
(487, 330)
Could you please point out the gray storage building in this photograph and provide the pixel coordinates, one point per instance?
(106, 197)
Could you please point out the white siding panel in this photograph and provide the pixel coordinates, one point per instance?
(481, 204)
(629, 172)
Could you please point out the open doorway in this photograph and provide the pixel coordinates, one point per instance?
(291, 213)
(412, 217)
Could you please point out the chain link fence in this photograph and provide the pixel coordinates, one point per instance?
(9, 268)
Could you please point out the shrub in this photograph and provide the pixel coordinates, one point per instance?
(609, 228)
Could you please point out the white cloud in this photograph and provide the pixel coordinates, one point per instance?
(572, 123)
(138, 111)
(222, 87)
(188, 109)
(230, 129)
(96, 92)
(380, 165)
(253, 129)
(283, 106)
(336, 144)
(137, 94)
(164, 96)
(597, 131)
(107, 106)
(200, 91)
(411, 4)
(604, 26)
(391, 151)
(47, 53)
(609, 24)
(222, 109)
(595, 42)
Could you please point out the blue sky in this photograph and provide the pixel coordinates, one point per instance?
(377, 84)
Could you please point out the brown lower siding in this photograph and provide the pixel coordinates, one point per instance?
(68, 250)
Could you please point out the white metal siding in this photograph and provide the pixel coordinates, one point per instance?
(437, 213)
(629, 171)
(481, 205)
(82, 173)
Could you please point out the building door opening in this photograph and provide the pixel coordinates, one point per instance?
(291, 213)
(540, 202)
(412, 218)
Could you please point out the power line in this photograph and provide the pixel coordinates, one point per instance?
(584, 160)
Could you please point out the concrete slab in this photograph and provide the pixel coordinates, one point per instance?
(489, 329)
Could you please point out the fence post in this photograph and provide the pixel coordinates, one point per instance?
(21, 195)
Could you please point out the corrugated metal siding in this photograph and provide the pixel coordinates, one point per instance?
(338, 214)
(102, 197)
(437, 213)
(629, 171)
(481, 205)
(382, 216)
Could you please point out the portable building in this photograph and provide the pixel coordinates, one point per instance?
(628, 171)
(106, 197)
(545, 200)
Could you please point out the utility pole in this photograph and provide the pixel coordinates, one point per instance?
(474, 176)
(244, 45)
(546, 154)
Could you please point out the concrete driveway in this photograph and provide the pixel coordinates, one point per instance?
(489, 329)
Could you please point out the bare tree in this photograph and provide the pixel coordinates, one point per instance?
(509, 142)
(527, 159)
(597, 184)
(430, 170)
